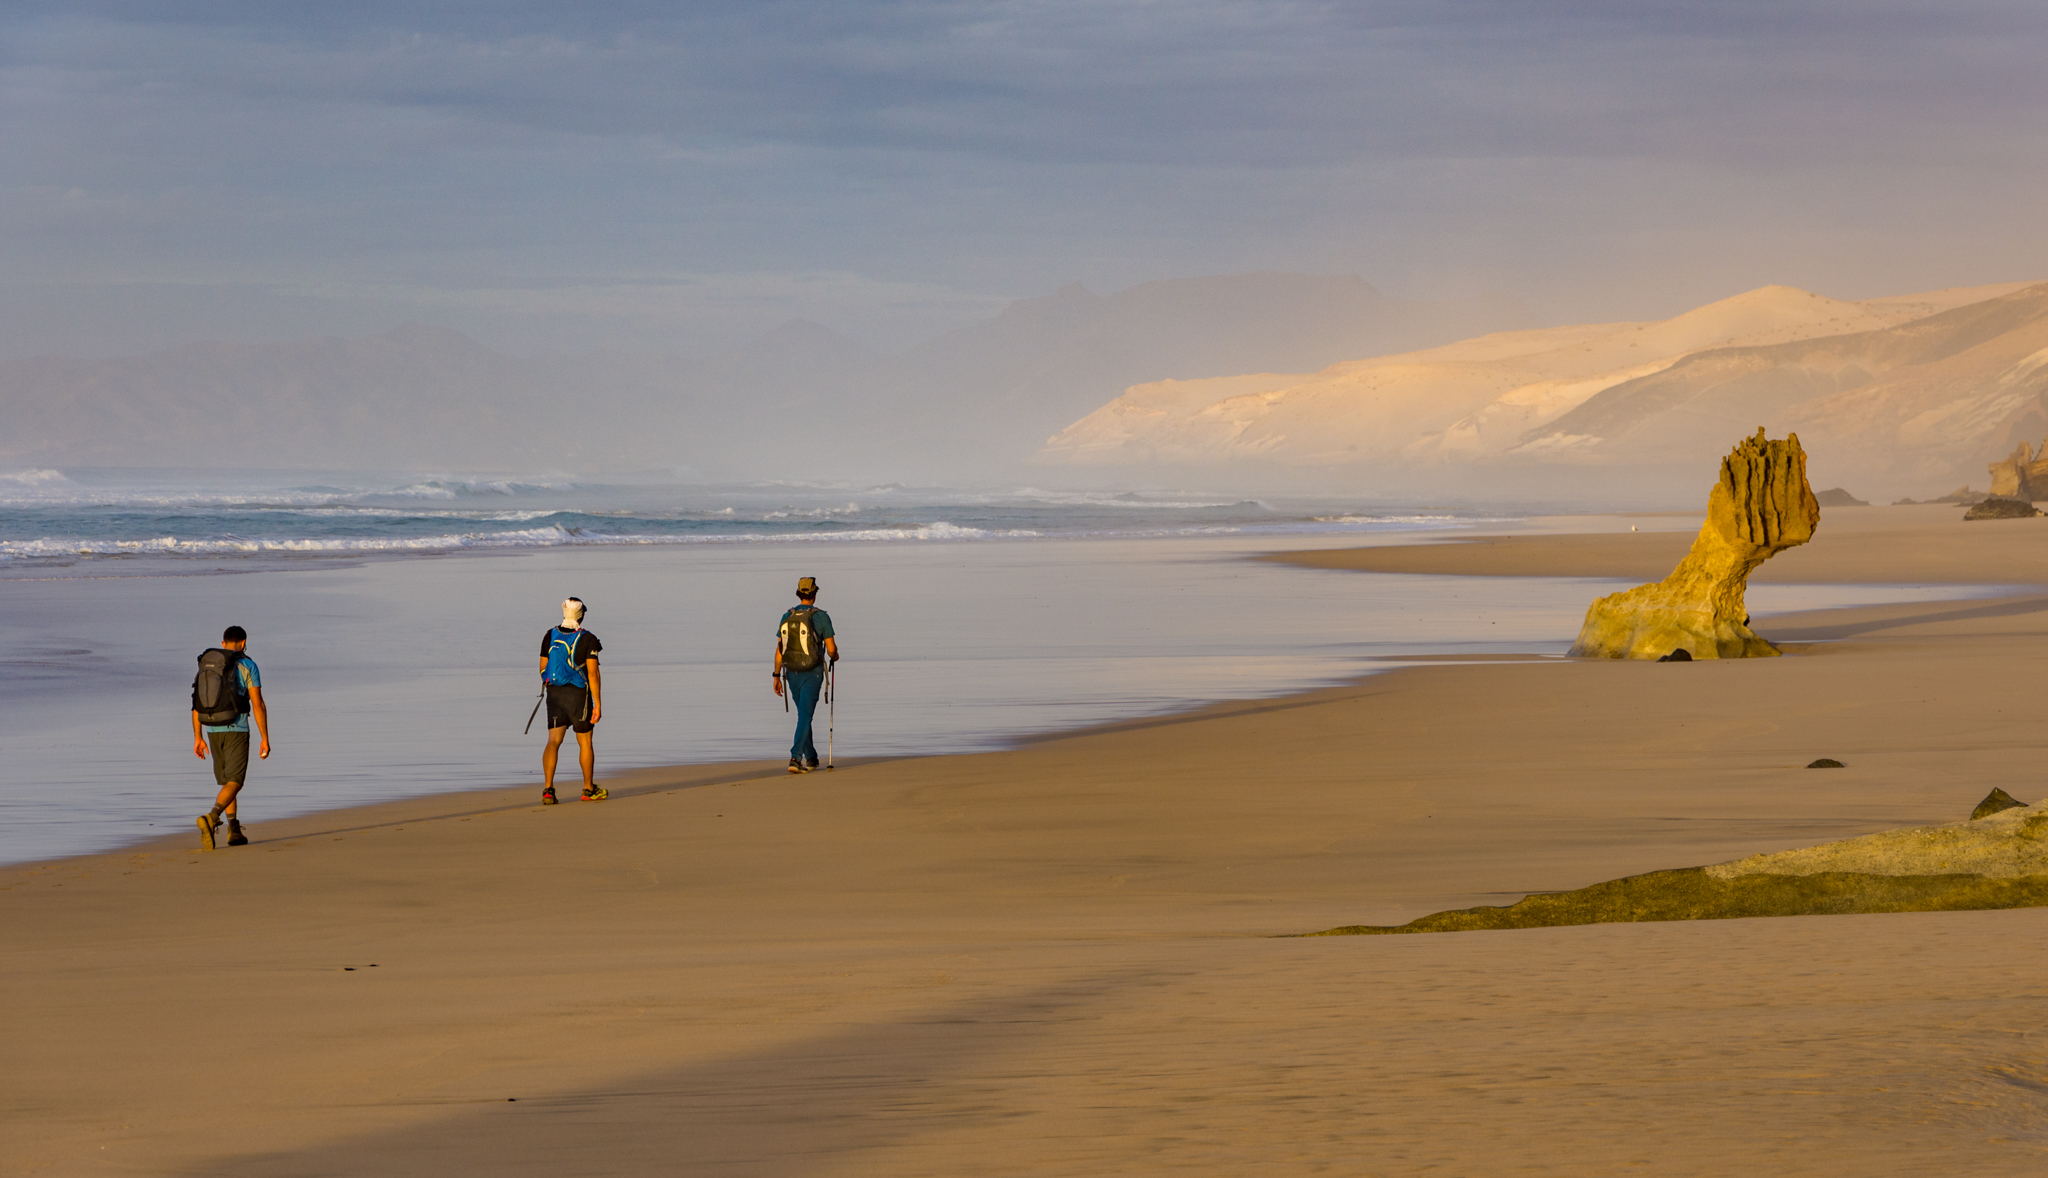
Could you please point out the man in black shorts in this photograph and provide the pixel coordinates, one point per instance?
(229, 743)
(574, 688)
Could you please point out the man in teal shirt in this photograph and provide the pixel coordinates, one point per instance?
(803, 643)
(229, 743)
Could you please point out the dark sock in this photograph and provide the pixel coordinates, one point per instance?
(214, 814)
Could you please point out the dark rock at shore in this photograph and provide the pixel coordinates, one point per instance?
(2002, 509)
(1827, 763)
(1993, 802)
(1681, 655)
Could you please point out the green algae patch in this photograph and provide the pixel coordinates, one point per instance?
(1690, 893)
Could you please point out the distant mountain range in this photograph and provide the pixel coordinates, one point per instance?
(1908, 394)
(802, 402)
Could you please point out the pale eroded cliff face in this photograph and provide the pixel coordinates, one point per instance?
(1906, 389)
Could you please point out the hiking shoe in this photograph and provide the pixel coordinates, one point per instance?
(797, 766)
(810, 764)
(596, 793)
(547, 796)
(206, 825)
(235, 836)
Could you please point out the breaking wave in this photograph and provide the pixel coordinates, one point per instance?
(549, 537)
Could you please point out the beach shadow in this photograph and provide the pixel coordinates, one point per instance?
(1891, 620)
(788, 1111)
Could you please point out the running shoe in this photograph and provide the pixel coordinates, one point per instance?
(596, 793)
(797, 766)
(547, 796)
(235, 836)
(810, 764)
(206, 825)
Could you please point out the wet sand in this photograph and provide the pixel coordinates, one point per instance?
(1065, 958)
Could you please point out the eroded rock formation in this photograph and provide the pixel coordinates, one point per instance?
(1762, 506)
(2022, 475)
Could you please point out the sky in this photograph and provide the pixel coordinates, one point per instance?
(683, 177)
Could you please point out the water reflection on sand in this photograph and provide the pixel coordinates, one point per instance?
(414, 676)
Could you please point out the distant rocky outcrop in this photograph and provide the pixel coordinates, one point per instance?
(1837, 497)
(1762, 506)
(2002, 508)
(1962, 496)
(1997, 859)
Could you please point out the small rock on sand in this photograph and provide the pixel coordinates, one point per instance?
(1993, 802)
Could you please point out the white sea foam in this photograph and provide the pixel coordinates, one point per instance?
(462, 488)
(33, 478)
(552, 537)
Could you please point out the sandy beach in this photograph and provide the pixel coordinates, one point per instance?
(1070, 957)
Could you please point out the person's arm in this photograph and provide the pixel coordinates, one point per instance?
(832, 648)
(777, 671)
(596, 688)
(543, 668)
(198, 737)
(261, 715)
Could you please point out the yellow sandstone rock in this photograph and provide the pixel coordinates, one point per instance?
(1761, 506)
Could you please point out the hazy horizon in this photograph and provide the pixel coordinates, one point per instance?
(655, 179)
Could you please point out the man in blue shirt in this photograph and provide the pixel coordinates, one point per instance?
(229, 743)
(803, 644)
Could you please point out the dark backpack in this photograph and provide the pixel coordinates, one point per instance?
(802, 649)
(217, 693)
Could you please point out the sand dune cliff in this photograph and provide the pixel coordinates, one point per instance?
(1896, 390)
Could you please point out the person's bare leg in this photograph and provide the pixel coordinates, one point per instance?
(588, 756)
(226, 798)
(549, 752)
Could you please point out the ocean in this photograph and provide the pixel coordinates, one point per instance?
(397, 621)
(97, 522)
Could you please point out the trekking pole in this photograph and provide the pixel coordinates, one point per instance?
(536, 710)
(785, 693)
(831, 709)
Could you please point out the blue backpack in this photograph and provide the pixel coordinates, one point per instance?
(562, 666)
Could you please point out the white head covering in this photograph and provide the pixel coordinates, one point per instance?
(573, 610)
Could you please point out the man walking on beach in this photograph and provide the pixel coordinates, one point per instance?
(803, 644)
(574, 688)
(239, 685)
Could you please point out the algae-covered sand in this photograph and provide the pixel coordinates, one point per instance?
(1996, 859)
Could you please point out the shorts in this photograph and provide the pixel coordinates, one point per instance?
(230, 756)
(569, 706)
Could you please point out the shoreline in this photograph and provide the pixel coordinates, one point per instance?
(1575, 555)
(1812, 628)
(1063, 956)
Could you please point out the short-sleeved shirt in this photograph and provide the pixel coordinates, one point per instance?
(820, 621)
(245, 667)
(583, 649)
